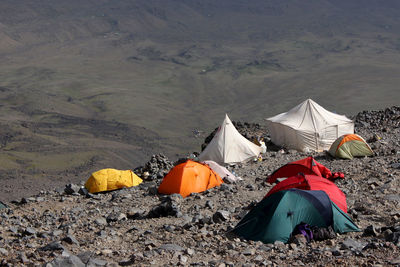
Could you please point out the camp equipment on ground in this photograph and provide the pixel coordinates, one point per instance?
(308, 126)
(229, 146)
(313, 182)
(349, 146)
(306, 166)
(275, 217)
(222, 171)
(189, 177)
(111, 179)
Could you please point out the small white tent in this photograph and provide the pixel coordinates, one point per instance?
(229, 146)
(222, 171)
(308, 126)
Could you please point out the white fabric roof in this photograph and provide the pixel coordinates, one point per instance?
(308, 126)
(222, 171)
(229, 146)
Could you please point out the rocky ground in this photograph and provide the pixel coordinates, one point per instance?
(136, 226)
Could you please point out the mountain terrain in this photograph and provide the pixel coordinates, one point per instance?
(138, 227)
(86, 85)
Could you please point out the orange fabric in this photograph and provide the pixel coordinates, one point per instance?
(349, 137)
(189, 177)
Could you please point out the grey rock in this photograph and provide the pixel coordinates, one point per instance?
(336, 252)
(84, 192)
(249, 252)
(349, 243)
(209, 204)
(116, 216)
(101, 221)
(71, 261)
(53, 246)
(226, 187)
(300, 240)
(168, 207)
(135, 213)
(95, 262)
(370, 231)
(3, 252)
(395, 165)
(221, 216)
(70, 239)
(57, 232)
(71, 189)
(29, 231)
(171, 247)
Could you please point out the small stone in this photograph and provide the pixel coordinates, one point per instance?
(171, 247)
(183, 259)
(221, 216)
(395, 165)
(190, 251)
(29, 231)
(101, 221)
(71, 189)
(72, 261)
(336, 252)
(350, 243)
(115, 217)
(107, 252)
(56, 245)
(3, 252)
(70, 239)
(300, 240)
(370, 231)
(249, 252)
(57, 232)
(209, 204)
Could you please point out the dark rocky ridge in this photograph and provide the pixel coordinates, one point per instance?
(135, 226)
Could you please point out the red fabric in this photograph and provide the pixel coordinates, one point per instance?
(307, 166)
(313, 182)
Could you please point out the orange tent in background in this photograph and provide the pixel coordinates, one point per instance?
(189, 177)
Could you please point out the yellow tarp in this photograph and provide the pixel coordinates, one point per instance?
(111, 179)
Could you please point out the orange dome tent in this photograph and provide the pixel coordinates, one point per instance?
(189, 177)
(350, 145)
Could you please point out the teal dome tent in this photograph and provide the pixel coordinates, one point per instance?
(276, 216)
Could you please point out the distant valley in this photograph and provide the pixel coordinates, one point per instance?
(91, 84)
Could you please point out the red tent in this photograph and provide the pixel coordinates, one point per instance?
(313, 182)
(306, 166)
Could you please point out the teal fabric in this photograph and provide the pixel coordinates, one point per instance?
(2, 205)
(275, 217)
(342, 223)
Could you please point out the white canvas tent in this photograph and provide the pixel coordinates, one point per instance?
(229, 146)
(308, 126)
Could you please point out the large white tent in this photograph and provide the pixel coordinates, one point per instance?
(308, 126)
(229, 146)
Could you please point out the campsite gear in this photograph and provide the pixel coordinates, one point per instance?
(189, 177)
(275, 217)
(312, 182)
(350, 145)
(222, 171)
(111, 179)
(229, 146)
(323, 233)
(308, 126)
(306, 166)
(305, 230)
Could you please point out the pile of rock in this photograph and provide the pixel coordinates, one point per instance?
(156, 168)
(380, 119)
